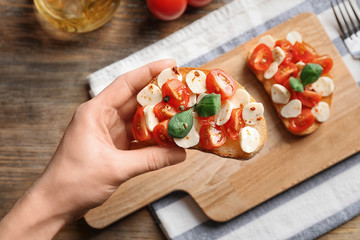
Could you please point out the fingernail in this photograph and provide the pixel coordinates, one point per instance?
(177, 155)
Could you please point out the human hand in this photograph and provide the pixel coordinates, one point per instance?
(93, 157)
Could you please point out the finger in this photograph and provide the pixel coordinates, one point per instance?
(148, 159)
(129, 132)
(130, 83)
(128, 109)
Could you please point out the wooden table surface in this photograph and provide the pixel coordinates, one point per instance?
(43, 80)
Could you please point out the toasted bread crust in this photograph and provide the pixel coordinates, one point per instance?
(267, 83)
(231, 148)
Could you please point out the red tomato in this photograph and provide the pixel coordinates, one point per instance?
(235, 124)
(141, 133)
(206, 120)
(302, 122)
(164, 111)
(284, 45)
(211, 136)
(309, 98)
(177, 92)
(261, 58)
(167, 9)
(161, 134)
(287, 47)
(286, 70)
(198, 3)
(219, 82)
(325, 61)
(301, 53)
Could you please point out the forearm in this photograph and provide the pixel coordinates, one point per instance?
(32, 217)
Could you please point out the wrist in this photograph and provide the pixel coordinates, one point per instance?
(32, 217)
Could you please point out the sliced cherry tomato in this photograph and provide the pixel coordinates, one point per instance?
(261, 58)
(211, 136)
(164, 111)
(198, 3)
(161, 134)
(219, 82)
(233, 126)
(286, 70)
(167, 9)
(284, 45)
(302, 122)
(141, 133)
(176, 93)
(309, 98)
(325, 61)
(302, 53)
(206, 120)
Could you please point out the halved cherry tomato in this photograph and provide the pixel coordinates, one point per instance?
(206, 120)
(161, 134)
(302, 122)
(167, 9)
(219, 82)
(286, 70)
(141, 133)
(233, 126)
(176, 93)
(261, 58)
(309, 98)
(164, 111)
(211, 136)
(325, 61)
(302, 53)
(284, 45)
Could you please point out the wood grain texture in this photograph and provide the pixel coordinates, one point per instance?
(42, 80)
(226, 188)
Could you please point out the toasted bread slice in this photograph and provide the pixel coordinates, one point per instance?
(268, 83)
(231, 148)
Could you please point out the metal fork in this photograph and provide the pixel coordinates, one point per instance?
(348, 20)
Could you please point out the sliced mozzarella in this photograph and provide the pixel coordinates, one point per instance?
(324, 86)
(224, 114)
(240, 98)
(292, 109)
(168, 74)
(279, 94)
(192, 100)
(149, 95)
(278, 55)
(271, 71)
(252, 113)
(300, 64)
(190, 140)
(321, 111)
(150, 118)
(196, 122)
(294, 37)
(196, 81)
(201, 95)
(250, 139)
(268, 40)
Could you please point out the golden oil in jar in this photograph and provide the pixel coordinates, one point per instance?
(77, 15)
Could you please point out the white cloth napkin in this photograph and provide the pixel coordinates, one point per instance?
(307, 210)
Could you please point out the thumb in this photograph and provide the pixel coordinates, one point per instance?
(151, 158)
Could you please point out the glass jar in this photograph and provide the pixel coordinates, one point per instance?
(77, 16)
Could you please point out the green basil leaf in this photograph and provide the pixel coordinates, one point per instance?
(296, 84)
(180, 124)
(310, 73)
(209, 105)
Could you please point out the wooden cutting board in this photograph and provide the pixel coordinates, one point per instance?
(225, 188)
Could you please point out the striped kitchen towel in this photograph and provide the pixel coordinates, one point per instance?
(307, 210)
